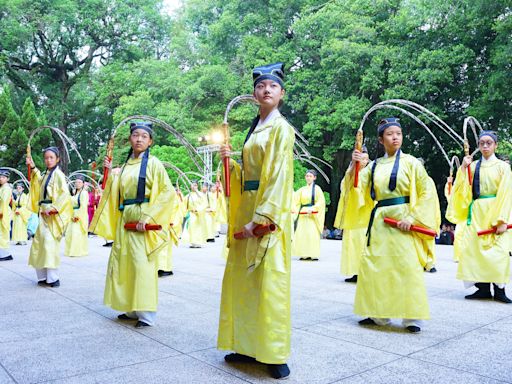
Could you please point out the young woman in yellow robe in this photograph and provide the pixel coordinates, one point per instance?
(196, 229)
(255, 305)
(210, 213)
(309, 216)
(49, 196)
(5, 215)
(20, 217)
(390, 281)
(354, 236)
(77, 242)
(484, 204)
(140, 194)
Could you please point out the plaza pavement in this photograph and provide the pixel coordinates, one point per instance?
(66, 335)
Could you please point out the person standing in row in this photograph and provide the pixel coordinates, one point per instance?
(390, 281)
(354, 234)
(255, 305)
(5, 215)
(77, 243)
(309, 211)
(195, 230)
(486, 203)
(49, 195)
(139, 195)
(21, 216)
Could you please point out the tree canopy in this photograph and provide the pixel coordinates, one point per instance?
(88, 64)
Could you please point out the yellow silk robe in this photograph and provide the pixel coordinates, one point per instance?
(255, 304)
(20, 217)
(354, 234)
(390, 280)
(44, 252)
(77, 243)
(211, 215)
(306, 239)
(5, 209)
(483, 259)
(196, 229)
(165, 258)
(429, 245)
(132, 273)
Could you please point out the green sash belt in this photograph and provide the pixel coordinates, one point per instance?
(470, 210)
(251, 185)
(45, 202)
(384, 203)
(131, 202)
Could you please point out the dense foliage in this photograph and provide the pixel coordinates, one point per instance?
(88, 64)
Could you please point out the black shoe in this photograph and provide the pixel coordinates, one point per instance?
(124, 317)
(367, 321)
(162, 273)
(107, 244)
(314, 259)
(352, 279)
(55, 284)
(141, 324)
(499, 295)
(239, 358)
(41, 283)
(413, 328)
(433, 270)
(483, 292)
(279, 371)
(6, 258)
(210, 240)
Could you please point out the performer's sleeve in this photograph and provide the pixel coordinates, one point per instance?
(35, 190)
(357, 203)
(161, 197)
(320, 208)
(460, 199)
(274, 197)
(83, 214)
(424, 206)
(5, 199)
(503, 206)
(104, 222)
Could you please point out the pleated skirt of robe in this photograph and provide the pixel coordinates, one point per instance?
(76, 242)
(306, 240)
(132, 277)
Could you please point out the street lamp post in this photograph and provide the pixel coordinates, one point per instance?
(206, 151)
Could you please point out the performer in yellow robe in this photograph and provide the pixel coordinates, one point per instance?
(140, 194)
(221, 215)
(21, 214)
(309, 216)
(5, 215)
(196, 230)
(77, 242)
(255, 305)
(354, 238)
(165, 265)
(211, 210)
(390, 281)
(484, 204)
(49, 196)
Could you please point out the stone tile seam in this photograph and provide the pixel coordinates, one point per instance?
(8, 373)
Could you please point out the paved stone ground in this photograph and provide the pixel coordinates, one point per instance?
(66, 335)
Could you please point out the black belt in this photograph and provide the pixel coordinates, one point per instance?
(380, 204)
(251, 185)
(45, 202)
(132, 202)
